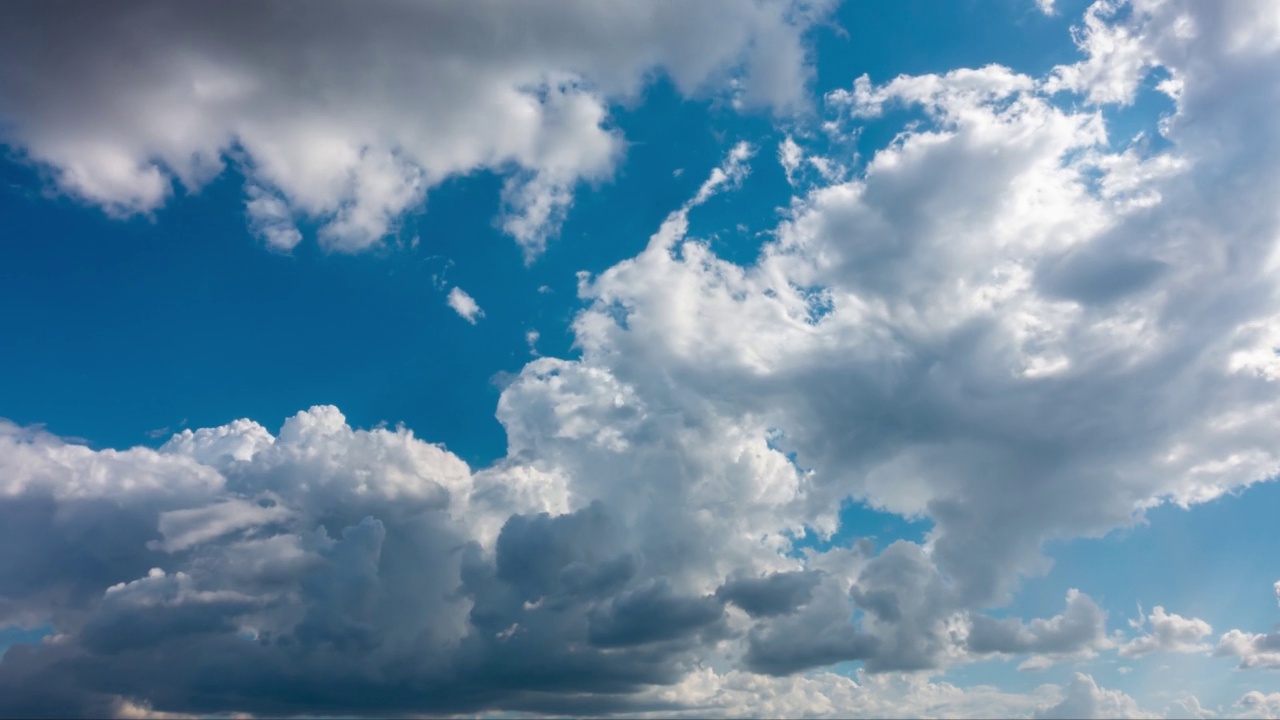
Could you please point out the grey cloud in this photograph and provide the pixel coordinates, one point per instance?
(817, 633)
(962, 369)
(652, 613)
(1006, 347)
(774, 594)
(1098, 274)
(59, 556)
(1080, 627)
(580, 555)
(773, 654)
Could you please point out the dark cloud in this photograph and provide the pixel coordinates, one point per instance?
(774, 594)
(652, 613)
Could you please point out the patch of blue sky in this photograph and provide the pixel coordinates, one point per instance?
(859, 521)
(885, 40)
(10, 636)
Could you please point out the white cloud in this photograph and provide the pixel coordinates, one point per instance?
(464, 305)
(1169, 632)
(790, 156)
(1255, 650)
(824, 694)
(1256, 704)
(1046, 6)
(349, 115)
(1084, 699)
(1004, 323)
(1117, 58)
(1188, 707)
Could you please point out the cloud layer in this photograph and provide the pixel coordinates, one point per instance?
(1006, 321)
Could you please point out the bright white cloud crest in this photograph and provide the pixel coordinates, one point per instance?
(1008, 322)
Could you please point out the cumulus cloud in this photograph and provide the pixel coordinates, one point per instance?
(464, 305)
(1084, 699)
(978, 330)
(1076, 633)
(739, 694)
(1005, 322)
(348, 115)
(1256, 704)
(1169, 632)
(1254, 650)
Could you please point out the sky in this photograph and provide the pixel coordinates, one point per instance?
(739, 358)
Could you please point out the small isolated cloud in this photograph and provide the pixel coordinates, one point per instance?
(1169, 632)
(464, 305)
(1046, 6)
(790, 156)
(531, 339)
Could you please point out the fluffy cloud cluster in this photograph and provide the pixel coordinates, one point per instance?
(1084, 699)
(1254, 650)
(326, 569)
(1259, 705)
(1006, 322)
(346, 115)
(1169, 632)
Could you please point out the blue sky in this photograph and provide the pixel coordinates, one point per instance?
(820, 350)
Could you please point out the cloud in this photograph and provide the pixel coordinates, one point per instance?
(1255, 650)
(774, 594)
(319, 565)
(1169, 633)
(347, 116)
(1255, 704)
(1084, 699)
(464, 305)
(1077, 633)
(1004, 322)
(733, 693)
